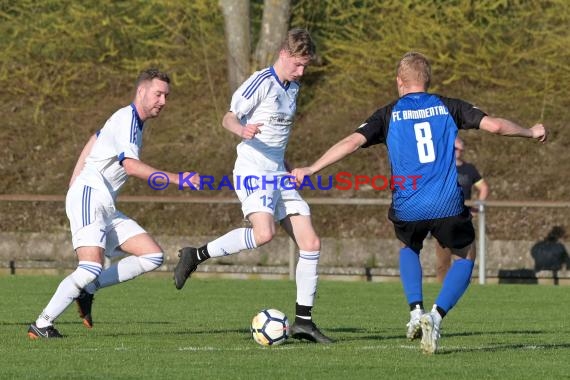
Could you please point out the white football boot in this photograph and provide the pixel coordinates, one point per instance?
(414, 326)
(431, 325)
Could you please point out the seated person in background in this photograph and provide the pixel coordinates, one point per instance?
(550, 253)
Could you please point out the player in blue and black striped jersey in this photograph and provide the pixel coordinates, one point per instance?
(419, 130)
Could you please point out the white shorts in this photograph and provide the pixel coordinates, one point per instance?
(271, 193)
(94, 220)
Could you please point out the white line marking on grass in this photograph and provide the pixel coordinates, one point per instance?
(254, 347)
(387, 347)
(122, 348)
(410, 347)
(198, 349)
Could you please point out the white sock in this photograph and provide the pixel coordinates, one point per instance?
(232, 242)
(416, 313)
(67, 291)
(126, 269)
(435, 314)
(306, 277)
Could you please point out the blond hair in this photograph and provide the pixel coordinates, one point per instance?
(415, 68)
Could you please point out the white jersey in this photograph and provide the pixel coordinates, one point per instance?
(263, 98)
(120, 138)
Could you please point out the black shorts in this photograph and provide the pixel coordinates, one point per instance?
(451, 232)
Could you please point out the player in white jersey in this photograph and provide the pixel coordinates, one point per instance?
(261, 113)
(97, 227)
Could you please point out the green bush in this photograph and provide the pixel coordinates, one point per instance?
(65, 66)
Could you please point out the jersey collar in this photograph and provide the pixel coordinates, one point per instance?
(285, 85)
(415, 94)
(140, 123)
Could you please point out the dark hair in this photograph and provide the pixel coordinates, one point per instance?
(299, 43)
(150, 74)
(556, 233)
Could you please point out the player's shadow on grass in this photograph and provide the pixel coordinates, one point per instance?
(358, 333)
(183, 331)
(142, 331)
(502, 347)
(502, 333)
(113, 323)
(351, 334)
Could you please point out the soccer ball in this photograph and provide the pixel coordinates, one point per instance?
(270, 327)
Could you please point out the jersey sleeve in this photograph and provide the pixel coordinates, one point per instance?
(474, 174)
(250, 93)
(126, 136)
(465, 115)
(375, 128)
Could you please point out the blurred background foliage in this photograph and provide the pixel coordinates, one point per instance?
(65, 66)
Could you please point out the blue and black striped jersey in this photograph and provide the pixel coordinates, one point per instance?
(419, 130)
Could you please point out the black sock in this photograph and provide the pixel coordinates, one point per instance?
(203, 253)
(441, 311)
(303, 314)
(414, 304)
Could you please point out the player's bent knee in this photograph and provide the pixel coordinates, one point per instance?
(464, 252)
(312, 245)
(263, 237)
(83, 281)
(86, 273)
(472, 254)
(151, 261)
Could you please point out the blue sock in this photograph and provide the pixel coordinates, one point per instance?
(411, 275)
(455, 283)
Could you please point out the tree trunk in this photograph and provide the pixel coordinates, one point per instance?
(237, 25)
(274, 27)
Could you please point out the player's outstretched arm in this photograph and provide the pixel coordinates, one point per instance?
(81, 160)
(506, 127)
(232, 124)
(139, 169)
(336, 153)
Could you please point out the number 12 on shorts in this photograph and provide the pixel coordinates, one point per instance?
(267, 201)
(426, 151)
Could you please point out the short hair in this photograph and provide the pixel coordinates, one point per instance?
(556, 233)
(299, 43)
(150, 74)
(414, 67)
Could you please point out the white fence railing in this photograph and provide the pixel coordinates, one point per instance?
(482, 206)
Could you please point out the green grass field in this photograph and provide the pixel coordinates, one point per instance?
(145, 329)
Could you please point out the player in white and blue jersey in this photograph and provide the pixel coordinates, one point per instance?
(419, 131)
(262, 111)
(97, 227)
